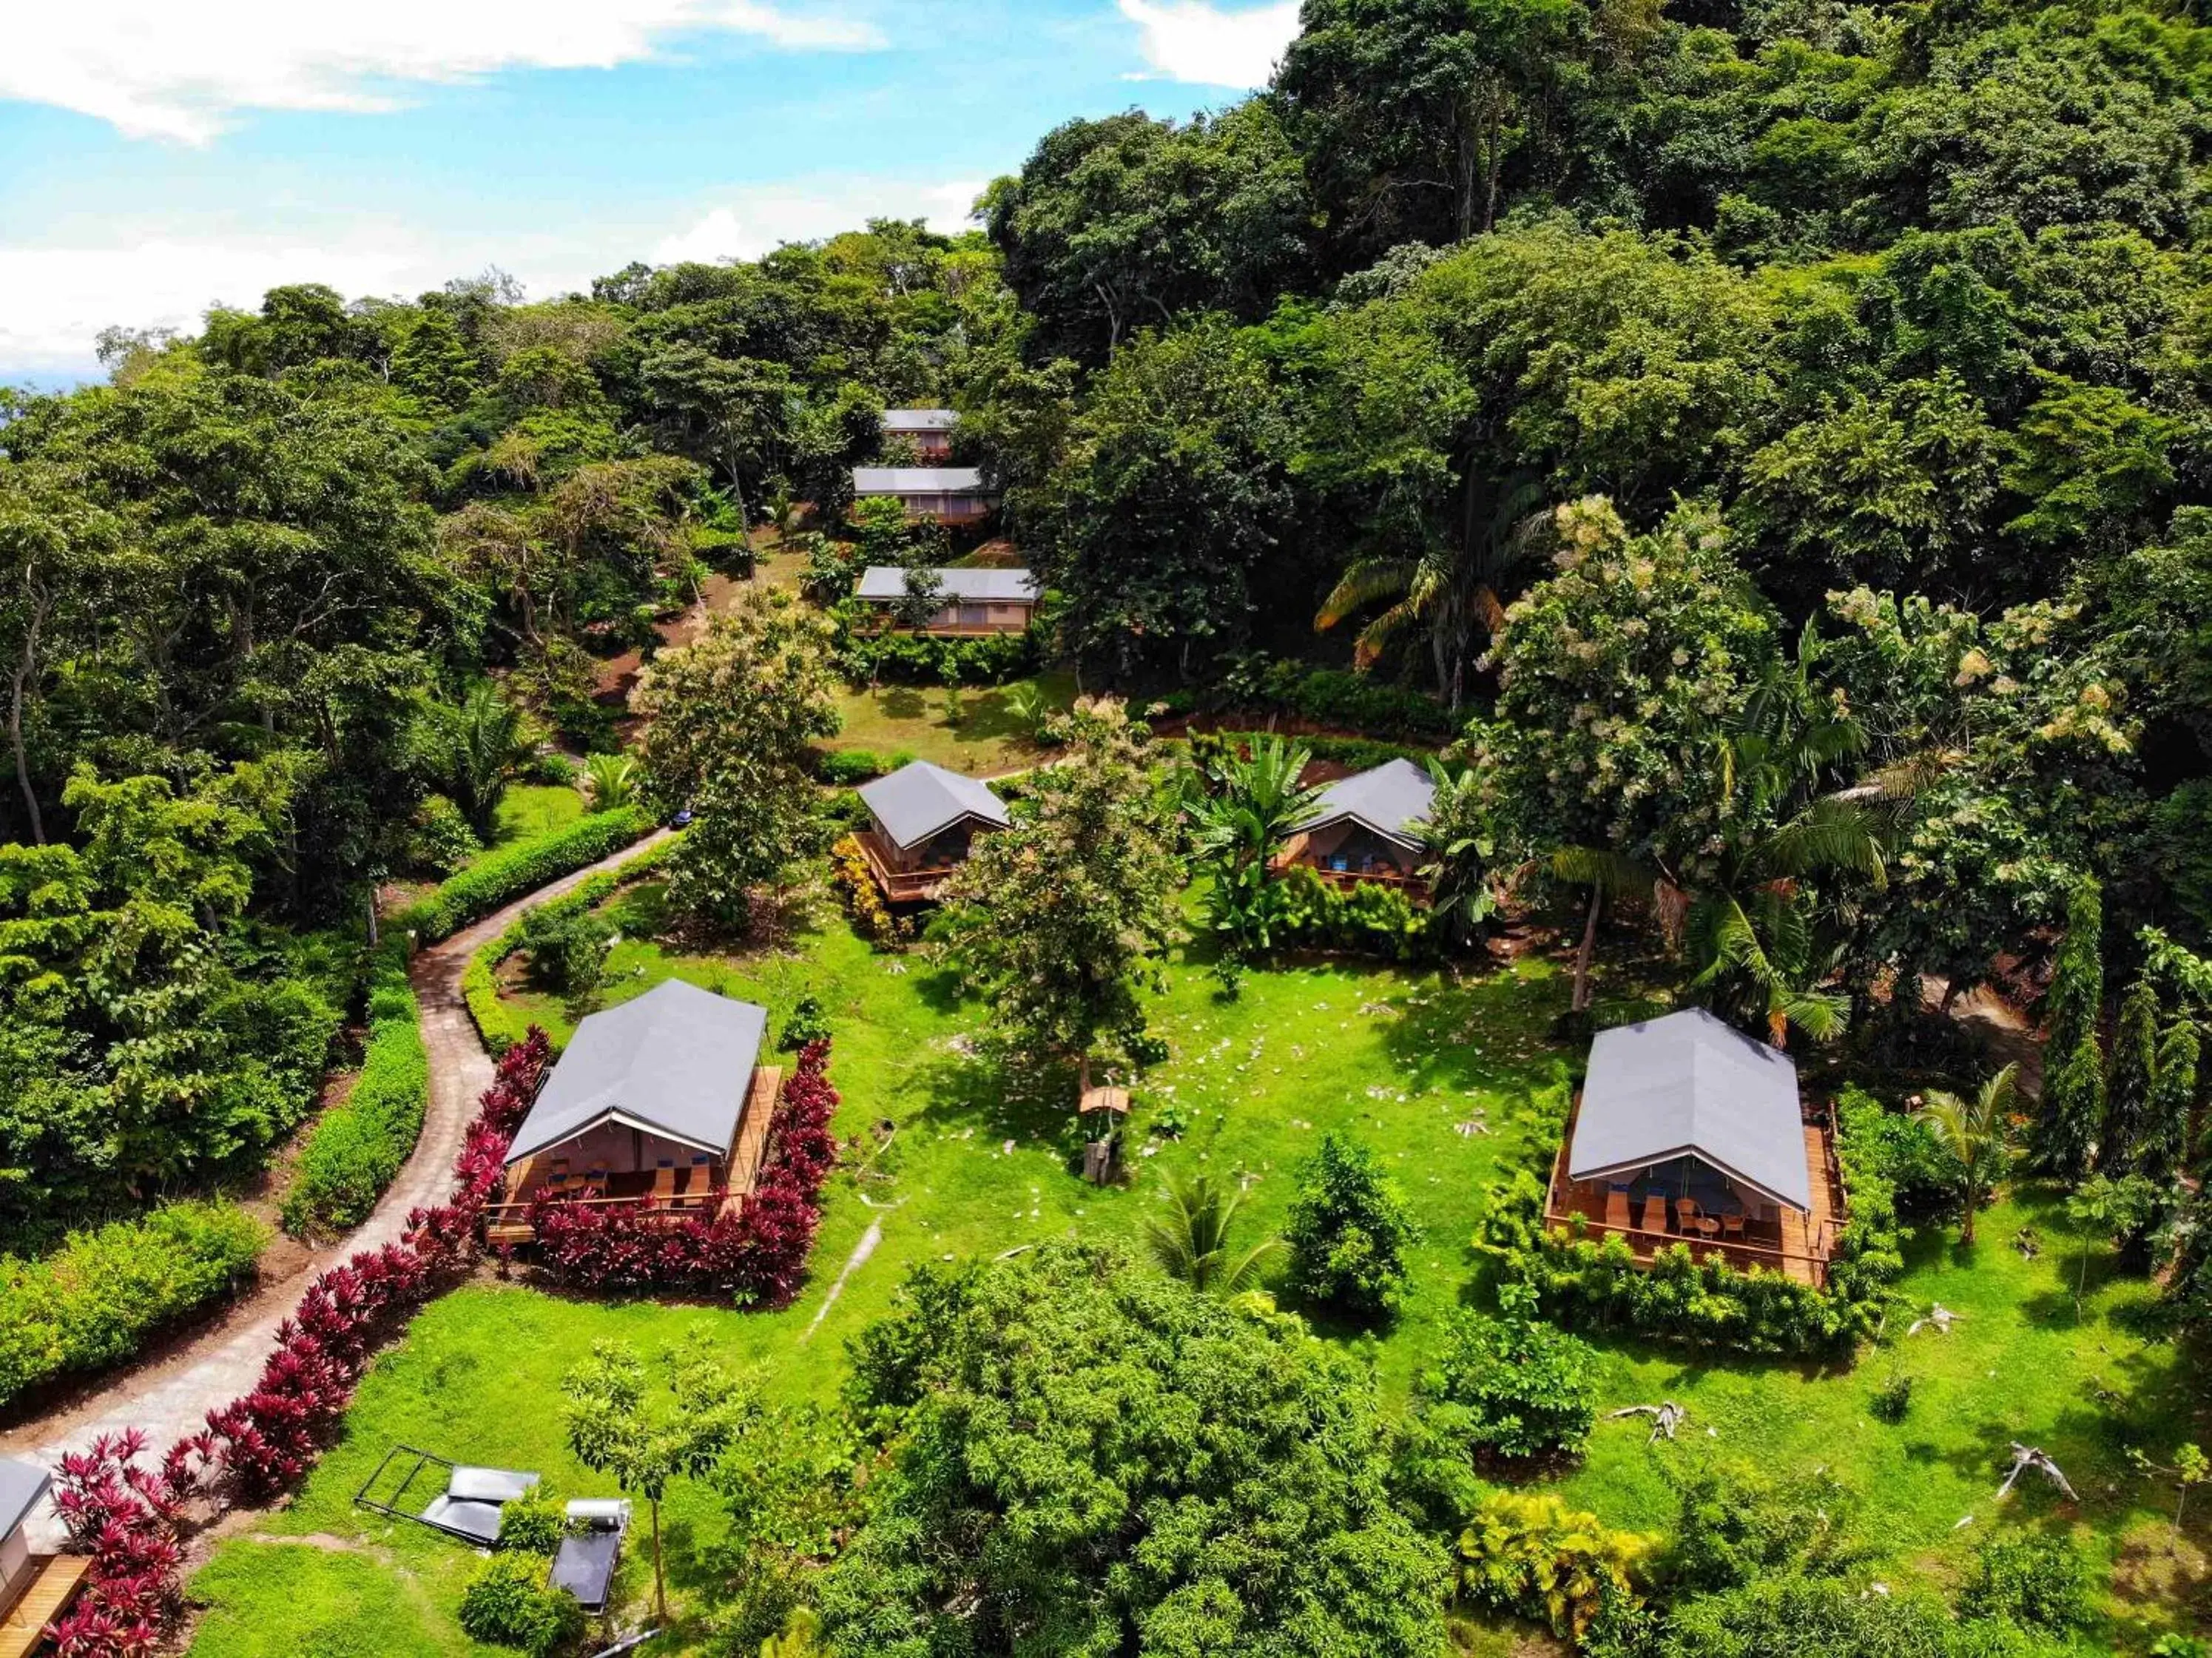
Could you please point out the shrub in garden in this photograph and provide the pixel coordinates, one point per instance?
(1736, 1522)
(1528, 1553)
(2029, 1578)
(123, 1514)
(863, 900)
(1893, 1400)
(533, 1523)
(1515, 1385)
(359, 1145)
(1349, 1230)
(506, 874)
(509, 1603)
(843, 767)
(1809, 1617)
(568, 946)
(95, 1299)
(441, 839)
(807, 1024)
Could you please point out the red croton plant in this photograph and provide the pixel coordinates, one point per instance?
(126, 1516)
(756, 1257)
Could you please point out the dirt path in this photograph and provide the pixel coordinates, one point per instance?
(171, 1395)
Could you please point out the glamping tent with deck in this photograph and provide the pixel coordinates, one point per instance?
(34, 1588)
(1686, 1131)
(976, 601)
(924, 820)
(929, 430)
(949, 495)
(1367, 828)
(660, 1104)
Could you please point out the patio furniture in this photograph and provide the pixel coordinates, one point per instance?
(663, 1185)
(1655, 1213)
(1691, 1218)
(1732, 1225)
(596, 1178)
(1616, 1208)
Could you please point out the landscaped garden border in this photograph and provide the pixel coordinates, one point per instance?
(501, 876)
(1584, 1283)
(360, 1145)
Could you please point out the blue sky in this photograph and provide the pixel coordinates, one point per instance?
(159, 156)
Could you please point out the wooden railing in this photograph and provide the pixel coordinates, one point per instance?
(901, 886)
(1700, 1248)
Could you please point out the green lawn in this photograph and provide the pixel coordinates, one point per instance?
(1433, 1070)
(531, 809)
(911, 719)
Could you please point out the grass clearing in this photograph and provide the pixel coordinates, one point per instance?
(1436, 1072)
(531, 809)
(911, 719)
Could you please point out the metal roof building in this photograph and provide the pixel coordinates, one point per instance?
(919, 419)
(1388, 800)
(1691, 1086)
(887, 583)
(677, 1062)
(918, 481)
(22, 1484)
(919, 800)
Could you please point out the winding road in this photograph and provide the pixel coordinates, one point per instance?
(170, 1396)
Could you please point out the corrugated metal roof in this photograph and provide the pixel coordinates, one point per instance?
(918, 481)
(1690, 1083)
(916, 801)
(21, 1484)
(1390, 799)
(888, 581)
(679, 1061)
(919, 419)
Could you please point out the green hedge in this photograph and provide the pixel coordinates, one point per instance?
(501, 1026)
(359, 1146)
(1260, 684)
(94, 1300)
(865, 656)
(500, 877)
(841, 768)
(1583, 1283)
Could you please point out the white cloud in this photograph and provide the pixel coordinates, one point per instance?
(749, 222)
(1192, 40)
(162, 69)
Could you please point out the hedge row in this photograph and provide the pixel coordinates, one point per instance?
(94, 1300)
(500, 877)
(359, 1146)
(499, 1026)
(1582, 1282)
(1327, 696)
(1354, 753)
(865, 655)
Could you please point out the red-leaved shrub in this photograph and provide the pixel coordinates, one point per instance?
(757, 1257)
(125, 1517)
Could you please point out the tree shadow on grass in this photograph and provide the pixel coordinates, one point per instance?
(1489, 1031)
(901, 702)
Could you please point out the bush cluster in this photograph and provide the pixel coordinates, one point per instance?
(1369, 919)
(1349, 1230)
(1517, 1386)
(843, 767)
(509, 1603)
(1261, 683)
(1528, 1553)
(504, 875)
(359, 1146)
(863, 900)
(442, 839)
(567, 945)
(1355, 753)
(1582, 1281)
(866, 656)
(93, 1300)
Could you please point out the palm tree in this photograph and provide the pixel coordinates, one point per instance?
(474, 745)
(613, 780)
(1255, 803)
(1456, 852)
(1191, 1241)
(1450, 590)
(1977, 1134)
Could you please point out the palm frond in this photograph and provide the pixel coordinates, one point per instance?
(1366, 582)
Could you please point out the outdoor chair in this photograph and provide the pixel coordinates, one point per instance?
(1655, 1213)
(1691, 1219)
(1732, 1225)
(663, 1185)
(1616, 1208)
(596, 1178)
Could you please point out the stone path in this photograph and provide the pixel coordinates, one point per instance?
(170, 1396)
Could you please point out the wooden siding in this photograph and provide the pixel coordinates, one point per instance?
(900, 886)
(52, 1587)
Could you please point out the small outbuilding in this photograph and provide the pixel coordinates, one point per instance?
(976, 601)
(928, 430)
(35, 1588)
(948, 494)
(924, 821)
(1368, 827)
(659, 1104)
(1688, 1131)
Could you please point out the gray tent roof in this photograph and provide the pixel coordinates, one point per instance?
(1689, 1084)
(21, 1484)
(916, 801)
(919, 419)
(677, 1061)
(918, 481)
(888, 581)
(1388, 799)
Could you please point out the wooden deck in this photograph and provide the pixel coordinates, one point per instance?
(1294, 852)
(725, 1189)
(1800, 1246)
(912, 886)
(50, 1590)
